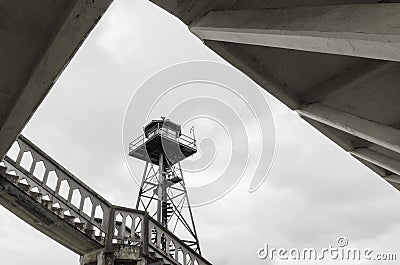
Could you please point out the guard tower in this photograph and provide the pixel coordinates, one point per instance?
(163, 192)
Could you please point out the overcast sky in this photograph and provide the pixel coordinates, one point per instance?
(314, 193)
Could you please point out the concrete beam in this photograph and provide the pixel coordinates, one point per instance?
(378, 159)
(348, 78)
(375, 168)
(255, 71)
(379, 134)
(393, 178)
(338, 137)
(58, 51)
(361, 30)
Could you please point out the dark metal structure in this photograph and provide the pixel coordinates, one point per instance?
(163, 192)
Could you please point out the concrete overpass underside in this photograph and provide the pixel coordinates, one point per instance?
(335, 62)
(38, 39)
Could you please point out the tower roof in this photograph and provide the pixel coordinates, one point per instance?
(164, 122)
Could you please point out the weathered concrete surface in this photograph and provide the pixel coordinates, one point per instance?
(44, 220)
(120, 255)
(127, 253)
(341, 29)
(38, 39)
(336, 62)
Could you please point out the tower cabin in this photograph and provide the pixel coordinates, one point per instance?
(162, 139)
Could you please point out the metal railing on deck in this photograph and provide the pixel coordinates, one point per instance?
(158, 130)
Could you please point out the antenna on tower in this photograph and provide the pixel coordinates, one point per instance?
(192, 132)
(163, 193)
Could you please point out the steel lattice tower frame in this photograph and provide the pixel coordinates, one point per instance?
(163, 192)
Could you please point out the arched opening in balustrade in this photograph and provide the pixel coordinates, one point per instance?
(46, 198)
(129, 222)
(87, 206)
(13, 152)
(163, 243)
(115, 234)
(97, 232)
(39, 171)
(76, 198)
(118, 219)
(26, 161)
(64, 189)
(2, 164)
(99, 214)
(180, 256)
(23, 181)
(118, 224)
(172, 249)
(188, 260)
(12, 172)
(78, 223)
(35, 189)
(153, 238)
(138, 227)
(52, 180)
(67, 213)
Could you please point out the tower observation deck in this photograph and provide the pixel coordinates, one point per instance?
(162, 137)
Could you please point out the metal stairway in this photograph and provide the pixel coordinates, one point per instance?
(41, 192)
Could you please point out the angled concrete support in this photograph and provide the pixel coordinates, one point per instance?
(378, 159)
(393, 178)
(379, 134)
(349, 78)
(259, 74)
(342, 29)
